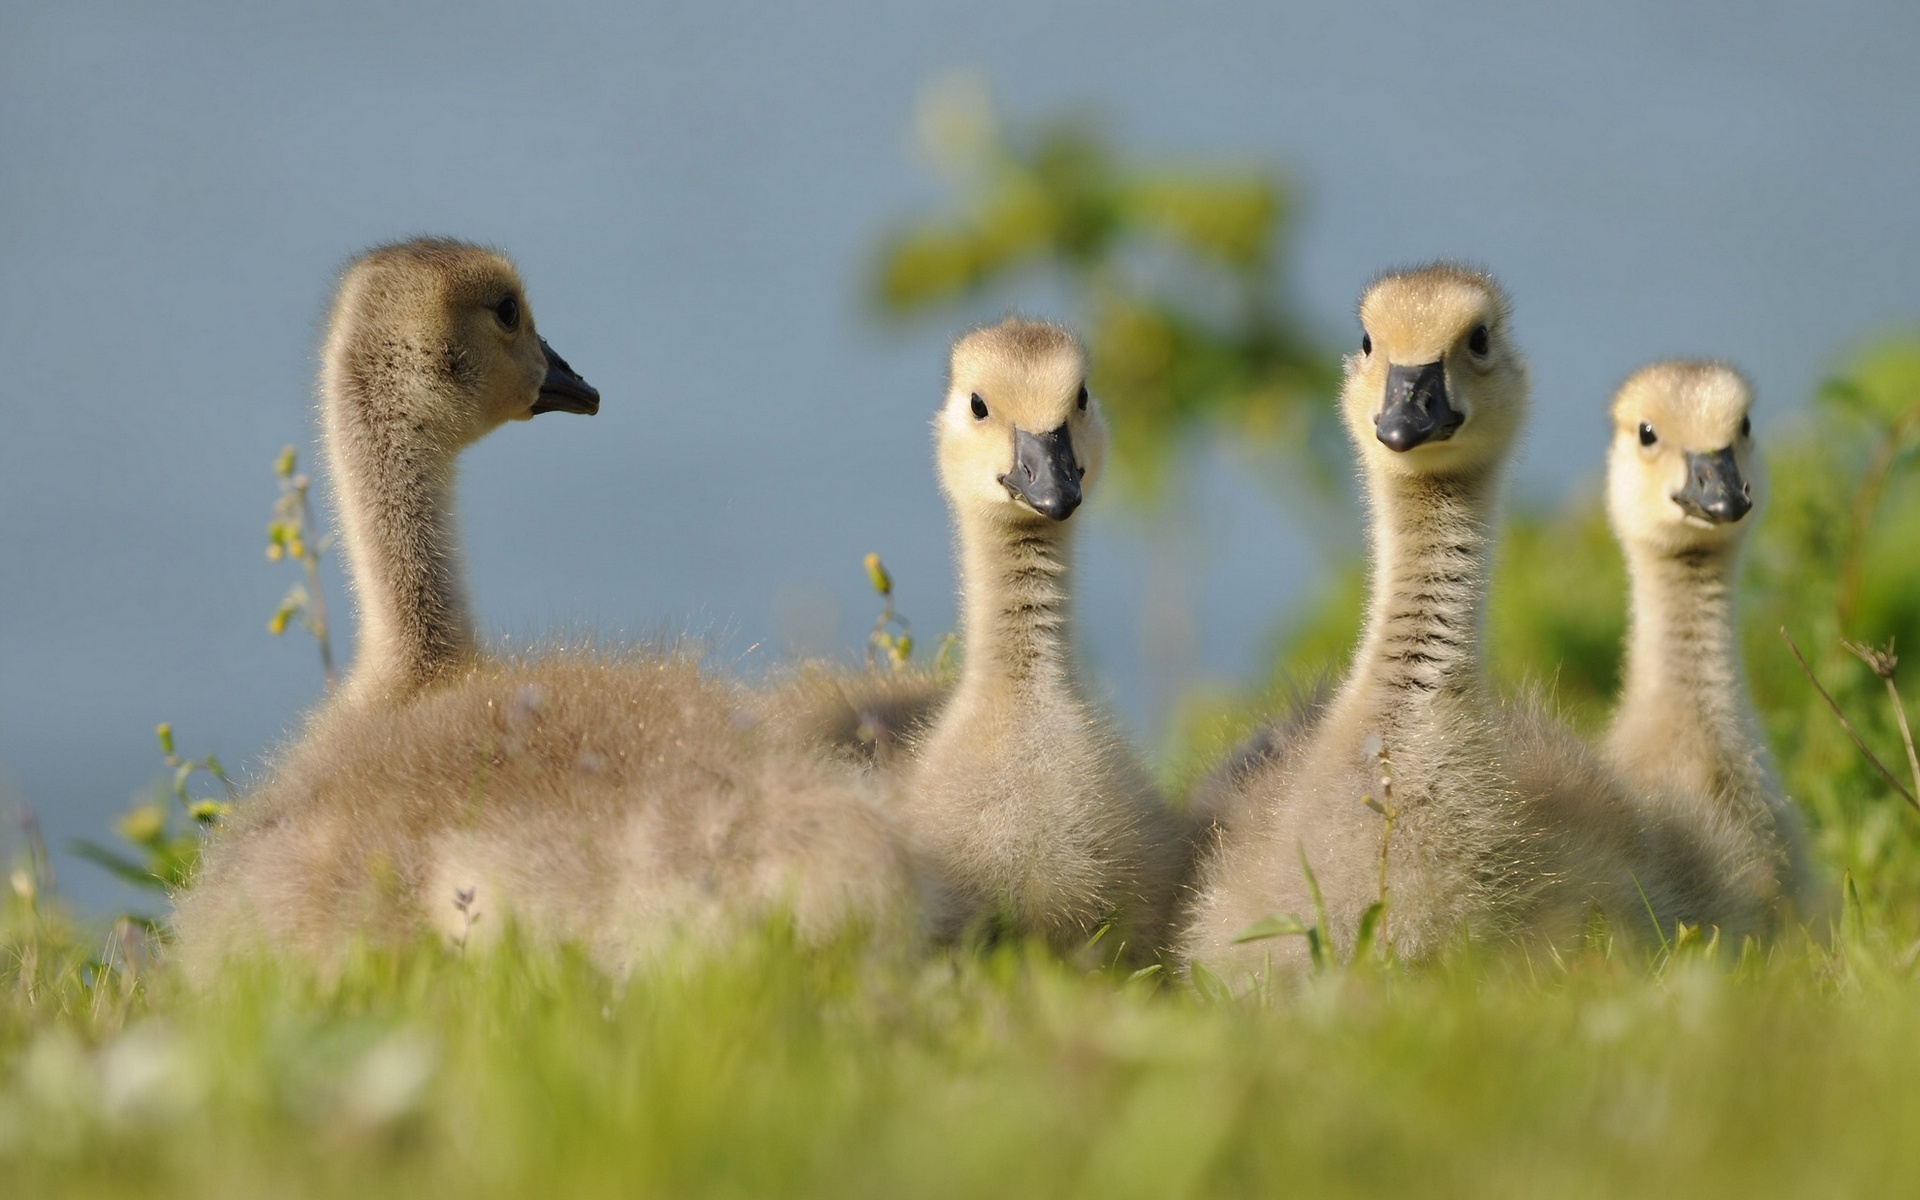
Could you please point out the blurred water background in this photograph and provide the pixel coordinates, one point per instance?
(694, 194)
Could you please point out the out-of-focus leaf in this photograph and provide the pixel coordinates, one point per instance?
(1231, 220)
(124, 868)
(1882, 382)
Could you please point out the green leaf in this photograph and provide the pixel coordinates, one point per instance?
(1853, 914)
(1313, 889)
(1369, 928)
(1319, 949)
(1209, 985)
(1287, 925)
(125, 868)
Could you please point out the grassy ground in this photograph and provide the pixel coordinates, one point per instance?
(766, 1069)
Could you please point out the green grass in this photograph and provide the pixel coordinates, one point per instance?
(762, 1069)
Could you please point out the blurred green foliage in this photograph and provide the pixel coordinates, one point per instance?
(1174, 272)
(292, 534)
(164, 834)
(1838, 557)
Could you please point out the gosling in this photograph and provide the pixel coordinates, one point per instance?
(1682, 484)
(1022, 799)
(430, 346)
(619, 801)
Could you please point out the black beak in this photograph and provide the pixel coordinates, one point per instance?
(1044, 473)
(1416, 410)
(1715, 491)
(562, 390)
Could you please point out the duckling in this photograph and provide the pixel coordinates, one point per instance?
(619, 800)
(1022, 798)
(1502, 824)
(1682, 483)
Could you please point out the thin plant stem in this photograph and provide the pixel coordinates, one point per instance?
(38, 860)
(321, 631)
(1848, 725)
(1906, 734)
(1885, 663)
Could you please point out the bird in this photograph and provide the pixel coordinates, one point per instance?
(430, 346)
(1683, 481)
(1021, 799)
(1413, 787)
(621, 798)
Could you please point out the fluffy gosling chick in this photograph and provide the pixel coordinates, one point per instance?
(618, 801)
(1023, 799)
(1502, 824)
(1683, 480)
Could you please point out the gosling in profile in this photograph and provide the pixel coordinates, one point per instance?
(1022, 799)
(1503, 825)
(619, 801)
(1682, 482)
(430, 346)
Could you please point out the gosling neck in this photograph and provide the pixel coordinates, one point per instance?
(393, 476)
(1432, 547)
(1683, 682)
(1015, 619)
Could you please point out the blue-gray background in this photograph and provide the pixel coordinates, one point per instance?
(693, 191)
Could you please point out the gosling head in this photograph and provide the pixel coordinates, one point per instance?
(1437, 386)
(452, 320)
(1018, 439)
(1682, 473)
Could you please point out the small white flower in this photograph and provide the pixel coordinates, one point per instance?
(390, 1079)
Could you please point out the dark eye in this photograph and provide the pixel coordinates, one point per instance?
(1647, 436)
(1477, 341)
(1746, 426)
(1366, 343)
(508, 311)
(1082, 400)
(979, 408)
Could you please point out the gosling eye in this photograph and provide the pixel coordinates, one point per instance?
(1478, 341)
(508, 310)
(1647, 436)
(1746, 426)
(1081, 400)
(1366, 344)
(979, 408)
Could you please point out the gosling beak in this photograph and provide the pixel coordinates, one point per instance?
(562, 390)
(1045, 475)
(1416, 410)
(1715, 492)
